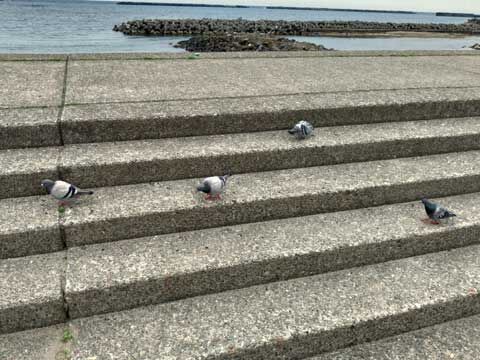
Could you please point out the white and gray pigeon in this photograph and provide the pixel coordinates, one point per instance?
(213, 186)
(63, 191)
(435, 212)
(302, 130)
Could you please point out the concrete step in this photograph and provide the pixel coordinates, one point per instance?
(29, 127)
(109, 164)
(29, 226)
(31, 292)
(86, 123)
(293, 319)
(122, 163)
(456, 339)
(135, 120)
(22, 170)
(38, 344)
(132, 211)
(116, 276)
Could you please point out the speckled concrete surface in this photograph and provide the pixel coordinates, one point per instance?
(107, 164)
(275, 54)
(38, 344)
(292, 319)
(31, 83)
(31, 289)
(121, 163)
(146, 80)
(28, 226)
(130, 211)
(31, 127)
(453, 340)
(22, 170)
(150, 120)
(116, 276)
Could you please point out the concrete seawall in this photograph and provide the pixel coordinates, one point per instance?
(161, 27)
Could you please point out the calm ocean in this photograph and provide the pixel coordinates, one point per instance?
(61, 26)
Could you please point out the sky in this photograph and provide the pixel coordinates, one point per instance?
(470, 6)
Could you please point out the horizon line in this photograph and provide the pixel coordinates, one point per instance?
(281, 7)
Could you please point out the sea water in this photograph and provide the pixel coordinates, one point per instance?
(62, 26)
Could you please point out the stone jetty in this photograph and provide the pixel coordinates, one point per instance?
(163, 27)
(245, 42)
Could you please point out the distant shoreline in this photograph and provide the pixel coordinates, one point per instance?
(448, 14)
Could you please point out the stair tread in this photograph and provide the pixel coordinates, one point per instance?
(122, 163)
(456, 339)
(115, 276)
(295, 318)
(150, 120)
(122, 212)
(222, 145)
(28, 225)
(31, 289)
(29, 127)
(134, 211)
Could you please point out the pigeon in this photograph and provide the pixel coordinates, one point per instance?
(213, 186)
(436, 212)
(63, 191)
(302, 130)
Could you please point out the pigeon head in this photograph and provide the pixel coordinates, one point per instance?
(425, 200)
(204, 187)
(48, 185)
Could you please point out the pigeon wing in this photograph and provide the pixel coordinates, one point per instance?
(62, 190)
(442, 213)
(215, 183)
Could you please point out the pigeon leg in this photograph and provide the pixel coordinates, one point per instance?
(218, 197)
(208, 197)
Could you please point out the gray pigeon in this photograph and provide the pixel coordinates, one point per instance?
(435, 212)
(302, 130)
(63, 191)
(213, 186)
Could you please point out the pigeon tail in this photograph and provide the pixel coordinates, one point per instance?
(85, 192)
(449, 214)
(292, 131)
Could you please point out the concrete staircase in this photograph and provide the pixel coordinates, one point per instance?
(317, 245)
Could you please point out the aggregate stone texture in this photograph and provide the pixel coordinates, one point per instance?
(37, 344)
(116, 276)
(31, 83)
(122, 163)
(29, 226)
(461, 63)
(151, 120)
(135, 80)
(292, 319)
(131, 211)
(30, 127)
(452, 340)
(22, 170)
(31, 289)
(228, 55)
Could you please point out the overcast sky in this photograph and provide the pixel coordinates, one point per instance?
(472, 6)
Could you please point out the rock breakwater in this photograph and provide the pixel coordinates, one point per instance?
(162, 27)
(244, 42)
